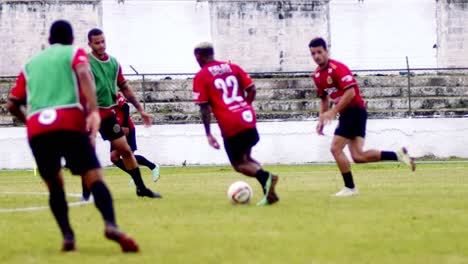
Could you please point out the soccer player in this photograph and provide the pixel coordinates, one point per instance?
(228, 91)
(122, 113)
(54, 86)
(334, 80)
(108, 77)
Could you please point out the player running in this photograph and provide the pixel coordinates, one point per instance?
(334, 80)
(227, 91)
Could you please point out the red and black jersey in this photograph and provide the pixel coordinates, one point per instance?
(222, 85)
(334, 80)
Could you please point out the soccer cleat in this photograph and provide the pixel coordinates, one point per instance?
(270, 196)
(404, 158)
(68, 245)
(126, 243)
(347, 192)
(156, 173)
(148, 193)
(88, 199)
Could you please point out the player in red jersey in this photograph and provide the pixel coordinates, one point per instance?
(227, 91)
(122, 113)
(336, 82)
(58, 126)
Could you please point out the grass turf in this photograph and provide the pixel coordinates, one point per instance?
(400, 217)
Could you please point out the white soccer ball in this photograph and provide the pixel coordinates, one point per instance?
(239, 192)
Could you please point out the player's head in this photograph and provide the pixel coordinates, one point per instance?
(96, 41)
(61, 32)
(319, 51)
(204, 53)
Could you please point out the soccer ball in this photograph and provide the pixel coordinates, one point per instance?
(239, 192)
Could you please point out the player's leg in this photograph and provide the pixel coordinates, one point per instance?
(359, 156)
(238, 149)
(356, 131)
(83, 161)
(120, 144)
(86, 193)
(104, 203)
(356, 146)
(116, 160)
(337, 147)
(152, 166)
(131, 139)
(46, 152)
(110, 130)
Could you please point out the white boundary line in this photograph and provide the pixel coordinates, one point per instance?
(39, 208)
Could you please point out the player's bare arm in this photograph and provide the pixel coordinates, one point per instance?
(131, 97)
(251, 92)
(205, 111)
(14, 106)
(324, 105)
(345, 100)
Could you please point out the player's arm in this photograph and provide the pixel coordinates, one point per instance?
(324, 105)
(251, 92)
(205, 111)
(17, 99)
(345, 100)
(127, 91)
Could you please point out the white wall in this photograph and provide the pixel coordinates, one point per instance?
(280, 142)
(268, 35)
(24, 27)
(452, 33)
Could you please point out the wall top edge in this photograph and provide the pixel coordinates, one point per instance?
(49, 1)
(267, 1)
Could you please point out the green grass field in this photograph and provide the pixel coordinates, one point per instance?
(399, 217)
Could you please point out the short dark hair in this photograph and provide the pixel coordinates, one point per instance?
(94, 32)
(317, 42)
(204, 49)
(61, 32)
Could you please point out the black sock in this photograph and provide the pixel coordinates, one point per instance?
(121, 165)
(103, 202)
(143, 161)
(262, 177)
(136, 176)
(59, 208)
(388, 155)
(86, 192)
(348, 180)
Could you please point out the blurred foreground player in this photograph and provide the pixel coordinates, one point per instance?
(51, 86)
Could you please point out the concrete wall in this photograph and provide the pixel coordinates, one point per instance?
(24, 27)
(452, 33)
(281, 142)
(268, 35)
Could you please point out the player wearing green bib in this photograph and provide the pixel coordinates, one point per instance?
(108, 78)
(57, 89)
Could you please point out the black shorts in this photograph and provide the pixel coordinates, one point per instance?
(131, 140)
(240, 144)
(110, 128)
(49, 149)
(352, 123)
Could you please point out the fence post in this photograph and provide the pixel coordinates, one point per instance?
(409, 87)
(143, 87)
